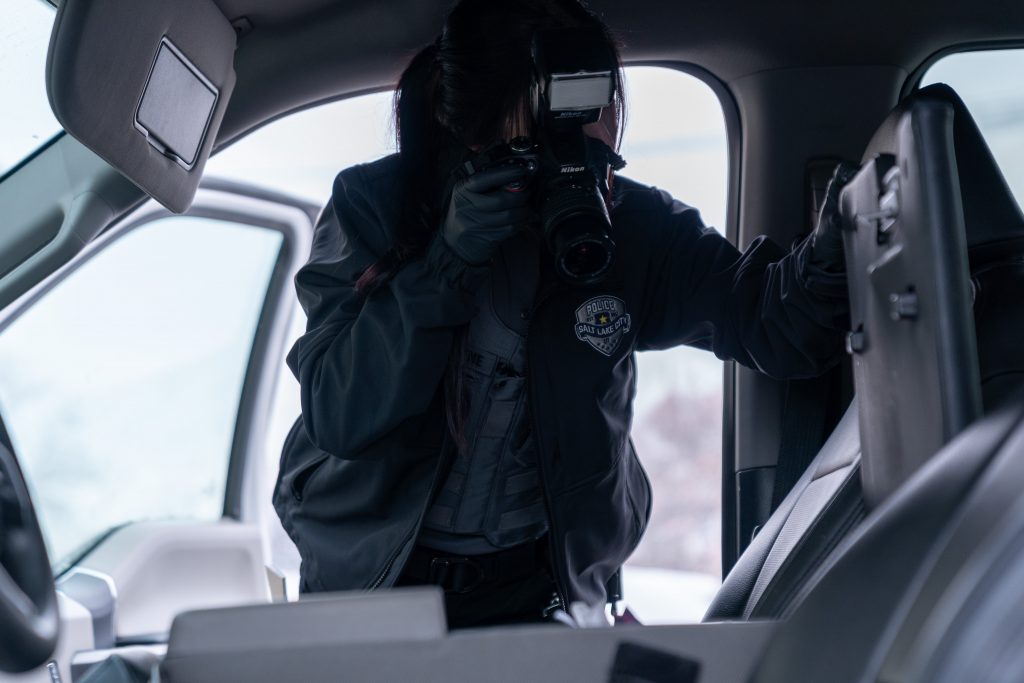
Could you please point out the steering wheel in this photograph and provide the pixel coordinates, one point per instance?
(29, 621)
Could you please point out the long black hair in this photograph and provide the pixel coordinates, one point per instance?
(471, 86)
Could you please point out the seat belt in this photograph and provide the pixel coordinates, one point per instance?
(804, 415)
(805, 408)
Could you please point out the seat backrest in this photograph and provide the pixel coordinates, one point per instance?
(823, 504)
(912, 333)
(770, 577)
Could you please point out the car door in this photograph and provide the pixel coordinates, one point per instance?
(135, 384)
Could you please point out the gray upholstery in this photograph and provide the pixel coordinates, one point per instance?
(842, 618)
(800, 533)
(815, 509)
(964, 621)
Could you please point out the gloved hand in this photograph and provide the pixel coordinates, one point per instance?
(827, 238)
(482, 212)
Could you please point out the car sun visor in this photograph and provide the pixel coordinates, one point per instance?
(143, 84)
(913, 339)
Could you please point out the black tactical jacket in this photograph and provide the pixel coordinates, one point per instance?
(358, 468)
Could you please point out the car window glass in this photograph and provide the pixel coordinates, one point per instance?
(990, 84)
(120, 386)
(300, 154)
(26, 121)
(675, 139)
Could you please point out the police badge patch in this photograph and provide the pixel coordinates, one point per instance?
(602, 322)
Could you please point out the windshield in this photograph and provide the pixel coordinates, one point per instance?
(26, 122)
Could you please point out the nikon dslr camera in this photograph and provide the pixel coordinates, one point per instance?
(575, 76)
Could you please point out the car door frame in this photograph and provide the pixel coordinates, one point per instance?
(246, 204)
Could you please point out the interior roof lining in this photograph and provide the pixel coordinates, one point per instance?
(224, 141)
(686, 67)
(240, 119)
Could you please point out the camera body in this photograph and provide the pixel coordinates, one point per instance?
(574, 73)
(574, 80)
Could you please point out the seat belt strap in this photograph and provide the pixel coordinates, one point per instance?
(806, 404)
(804, 414)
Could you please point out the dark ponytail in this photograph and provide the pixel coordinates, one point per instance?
(419, 136)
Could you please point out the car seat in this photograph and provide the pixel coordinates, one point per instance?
(827, 502)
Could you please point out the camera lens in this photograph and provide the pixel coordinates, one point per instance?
(576, 225)
(585, 261)
(520, 144)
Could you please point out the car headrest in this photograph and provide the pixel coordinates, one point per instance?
(991, 213)
(143, 84)
(913, 338)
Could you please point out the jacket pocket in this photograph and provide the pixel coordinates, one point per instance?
(301, 478)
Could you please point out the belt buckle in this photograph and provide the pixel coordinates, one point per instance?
(450, 574)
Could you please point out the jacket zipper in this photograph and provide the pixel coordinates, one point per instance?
(391, 560)
(556, 558)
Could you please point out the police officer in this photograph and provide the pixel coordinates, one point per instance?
(465, 412)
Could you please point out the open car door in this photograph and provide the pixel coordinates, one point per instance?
(136, 384)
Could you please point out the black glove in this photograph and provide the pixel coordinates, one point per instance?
(482, 212)
(827, 238)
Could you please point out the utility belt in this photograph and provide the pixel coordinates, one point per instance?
(462, 573)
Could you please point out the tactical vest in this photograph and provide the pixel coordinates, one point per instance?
(491, 497)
